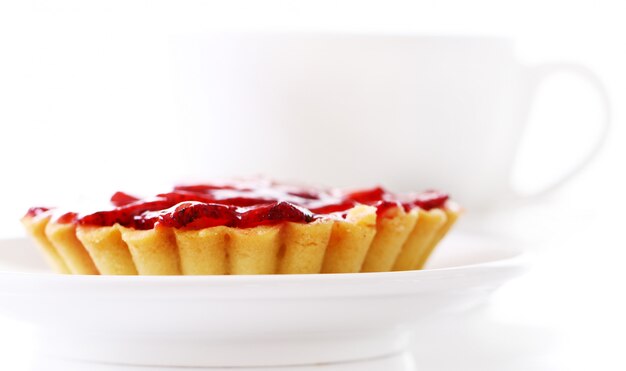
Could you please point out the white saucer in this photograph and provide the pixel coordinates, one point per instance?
(247, 321)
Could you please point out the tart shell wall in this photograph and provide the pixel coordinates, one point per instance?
(363, 242)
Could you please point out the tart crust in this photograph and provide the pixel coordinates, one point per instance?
(362, 242)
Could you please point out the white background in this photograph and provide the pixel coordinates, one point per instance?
(84, 109)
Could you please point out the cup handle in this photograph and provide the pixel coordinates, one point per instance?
(536, 75)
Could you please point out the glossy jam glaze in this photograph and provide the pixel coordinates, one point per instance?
(241, 205)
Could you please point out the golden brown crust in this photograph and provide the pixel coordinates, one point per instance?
(36, 227)
(107, 249)
(428, 223)
(203, 251)
(253, 250)
(392, 231)
(451, 218)
(63, 238)
(154, 251)
(350, 240)
(363, 242)
(303, 247)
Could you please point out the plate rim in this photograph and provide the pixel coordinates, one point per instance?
(490, 273)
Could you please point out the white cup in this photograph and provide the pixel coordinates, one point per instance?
(407, 112)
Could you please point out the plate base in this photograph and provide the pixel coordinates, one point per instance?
(397, 362)
(215, 351)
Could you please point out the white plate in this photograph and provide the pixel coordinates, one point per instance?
(257, 320)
